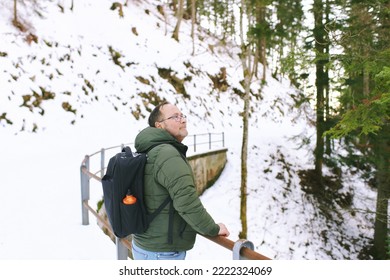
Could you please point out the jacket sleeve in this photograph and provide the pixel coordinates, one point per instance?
(175, 174)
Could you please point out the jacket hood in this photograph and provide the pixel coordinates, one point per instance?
(151, 136)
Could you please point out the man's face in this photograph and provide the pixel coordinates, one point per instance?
(173, 122)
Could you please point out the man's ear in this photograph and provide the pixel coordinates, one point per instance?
(157, 125)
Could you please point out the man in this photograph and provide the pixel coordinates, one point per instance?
(167, 173)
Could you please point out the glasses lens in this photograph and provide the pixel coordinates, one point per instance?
(177, 118)
(180, 117)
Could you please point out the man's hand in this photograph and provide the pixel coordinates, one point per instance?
(223, 231)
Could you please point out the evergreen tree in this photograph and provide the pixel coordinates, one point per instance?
(365, 103)
(322, 81)
(286, 39)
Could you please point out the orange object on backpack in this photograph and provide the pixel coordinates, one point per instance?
(129, 199)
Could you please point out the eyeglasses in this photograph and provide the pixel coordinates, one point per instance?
(177, 118)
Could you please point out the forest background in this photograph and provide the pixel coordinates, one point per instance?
(336, 52)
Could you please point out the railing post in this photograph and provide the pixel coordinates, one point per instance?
(209, 141)
(102, 162)
(223, 139)
(238, 246)
(121, 250)
(84, 190)
(194, 143)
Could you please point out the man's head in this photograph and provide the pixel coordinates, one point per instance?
(168, 117)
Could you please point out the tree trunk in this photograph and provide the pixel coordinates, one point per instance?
(188, 8)
(244, 148)
(15, 11)
(321, 82)
(262, 41)
(179, 15)
(244, 170)
(381, 230)
(328, 149)
(366, 79)
(247, 60)
(246, 65)
(193, 15)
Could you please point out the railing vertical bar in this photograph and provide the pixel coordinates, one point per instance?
(102, 162)
(209, 141)
(121, 250)
(194, 143)
(84, 190)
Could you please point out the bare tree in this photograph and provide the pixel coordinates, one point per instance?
(248, 57)
(262, 41)
(193, 20)
(15, 11)
(179, 16)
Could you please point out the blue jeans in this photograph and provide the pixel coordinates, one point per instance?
(141, 254)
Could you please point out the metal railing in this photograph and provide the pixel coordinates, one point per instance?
(204, 139)
(242, 249)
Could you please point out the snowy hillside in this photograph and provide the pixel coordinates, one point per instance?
(87, 79)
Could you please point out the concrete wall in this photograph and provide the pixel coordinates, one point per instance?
(207, 167)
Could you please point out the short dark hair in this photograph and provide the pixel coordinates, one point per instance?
(155, 115)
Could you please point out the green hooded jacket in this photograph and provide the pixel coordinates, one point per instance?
(167, 172)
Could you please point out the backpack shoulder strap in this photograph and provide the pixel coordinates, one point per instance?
(127, 150)
(159, 209)
(151, 147)
(170, 221)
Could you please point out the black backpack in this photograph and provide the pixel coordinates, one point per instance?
(124, 179)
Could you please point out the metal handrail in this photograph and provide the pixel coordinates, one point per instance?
(240, 248)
